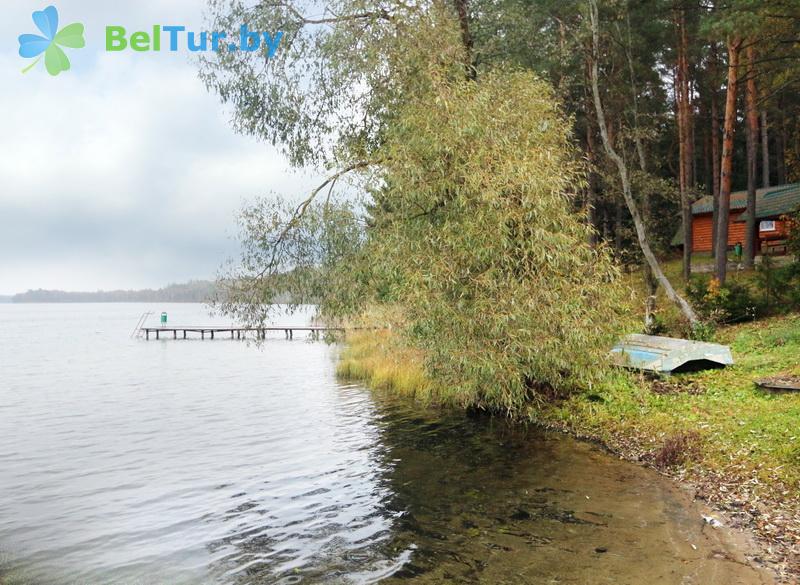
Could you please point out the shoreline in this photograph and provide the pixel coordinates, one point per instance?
(731, 467)
(760, 550)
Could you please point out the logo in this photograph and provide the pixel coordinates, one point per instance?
(51, 43)
(117, 39)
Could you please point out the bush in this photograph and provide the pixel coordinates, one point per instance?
(780, 285)
(793, 226)
(677, 450)
(731, 303)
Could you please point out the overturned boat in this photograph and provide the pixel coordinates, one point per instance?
(669, 355)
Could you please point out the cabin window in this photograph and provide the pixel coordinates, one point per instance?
(767, 226)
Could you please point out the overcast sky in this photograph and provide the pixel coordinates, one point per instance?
(123, 172)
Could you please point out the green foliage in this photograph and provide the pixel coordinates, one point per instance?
(793, 239)
(499, 285)
(471, 232)
(703, 331)
(731, 303)
(308, 261)
(780, 285)
(337, 78)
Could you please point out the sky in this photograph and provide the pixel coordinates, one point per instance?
(123, 172)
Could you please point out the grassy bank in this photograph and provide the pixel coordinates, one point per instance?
(738, 445)
(381, 362)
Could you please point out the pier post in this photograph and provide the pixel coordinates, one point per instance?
(174, 334)
(291, 333)
(184, 333)
(212, 334)
(231, 333)
(156, 333)
(202, 334)
(147, 334)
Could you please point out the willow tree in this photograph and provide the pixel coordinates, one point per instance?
(468, 225)
(500, 285)
(325, 99)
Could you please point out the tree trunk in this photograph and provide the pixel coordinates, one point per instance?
(726, 162)
(691, 140)
(714, 148)
(650, 281)
(751, 118)
(704, 118)
(764, 150)
(622, 168)
(780, 151)
(462, 10)
(591, 191)
(685, 154)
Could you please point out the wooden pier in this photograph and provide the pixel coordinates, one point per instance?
(214, 331)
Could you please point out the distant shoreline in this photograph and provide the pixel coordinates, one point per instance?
(194, 291)
(91, 302)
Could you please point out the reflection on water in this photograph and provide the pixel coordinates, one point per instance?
(126, 461)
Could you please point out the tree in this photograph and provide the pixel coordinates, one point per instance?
(734, 45)
(715, 151)
(751, 120)
(624, 175)
(501, 287)
(467, 227)
(684, 118)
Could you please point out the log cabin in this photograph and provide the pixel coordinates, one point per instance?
(772, 205)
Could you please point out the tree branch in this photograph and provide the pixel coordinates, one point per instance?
(622, 168)
(379, 14)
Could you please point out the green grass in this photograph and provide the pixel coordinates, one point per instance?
(744, 431)
(380, 361)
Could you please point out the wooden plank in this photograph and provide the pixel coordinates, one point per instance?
(791, 383)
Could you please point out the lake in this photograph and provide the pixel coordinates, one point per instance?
(127, 461)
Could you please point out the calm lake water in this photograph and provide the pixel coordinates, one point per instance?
(165, 462)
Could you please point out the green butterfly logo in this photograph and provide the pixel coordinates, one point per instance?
(55, 60)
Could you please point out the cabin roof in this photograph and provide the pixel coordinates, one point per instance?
(770, 202)
(777, 201)
(738, 201)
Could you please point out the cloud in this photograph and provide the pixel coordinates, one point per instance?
(123, 172)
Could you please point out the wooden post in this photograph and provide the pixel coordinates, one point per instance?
(291, 333)
(147, 334)
(174, 334)
(212, 334)
(202, 334)
(157, 332)
(184, 333)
